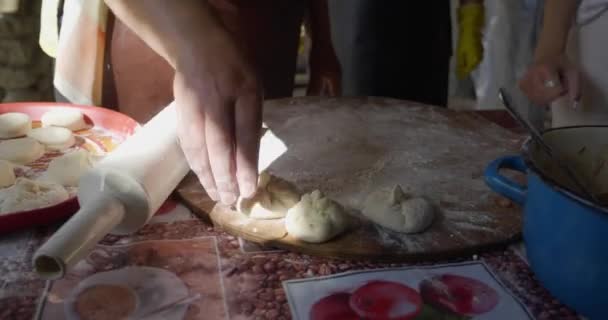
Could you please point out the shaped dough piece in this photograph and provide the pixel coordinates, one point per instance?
(22, 150)
(67, 169)
(28, 194)
(316, 219)
(54, 138)
(7, 174)
(72, 119)
(274, 197)
(392, 209)
(14, 124)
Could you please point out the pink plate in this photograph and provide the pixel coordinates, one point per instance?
(118, 124)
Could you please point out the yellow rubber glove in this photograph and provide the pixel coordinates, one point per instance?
(469, 52)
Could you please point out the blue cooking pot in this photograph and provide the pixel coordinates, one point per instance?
(566, 236)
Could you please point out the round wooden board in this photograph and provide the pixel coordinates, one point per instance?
(348, 147)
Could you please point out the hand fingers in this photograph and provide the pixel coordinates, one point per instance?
(191, 133)
(219, 135)
(248, 118)
(467, 62)
(542, 85)
(547, 84)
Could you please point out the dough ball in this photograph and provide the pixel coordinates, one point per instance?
(22, 150)
(14, 124)
(72, 119)
(392, 209)
(7, 174)
(54, 138)
(316, 218)
(28, 194)
(272, 200)
(67, 169)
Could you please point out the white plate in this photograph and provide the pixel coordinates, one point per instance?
(153, 288)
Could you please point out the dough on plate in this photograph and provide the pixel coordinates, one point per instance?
(7, 174)
(21, 151)
(67, 169)
(392, 209)
(54, 138)
(274, 197)
(14, 124)
(28, 194)
(316, 219)
(72, 119)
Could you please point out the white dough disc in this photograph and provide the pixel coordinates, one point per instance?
(28, 194)
(272, 200)
(7, 174)
(72, 119)
(54, 138)
(67, 169)
(316, 219)
(22, 150)
(392, 209)
(14, 124)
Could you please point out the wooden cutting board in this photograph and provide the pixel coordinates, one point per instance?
(349, 147)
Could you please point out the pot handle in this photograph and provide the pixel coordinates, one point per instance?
(503, 185)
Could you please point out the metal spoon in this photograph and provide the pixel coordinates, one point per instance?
(537, 137)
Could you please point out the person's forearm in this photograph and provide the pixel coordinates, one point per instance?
(166, 25)
(325, 73)
(319, 24)
(557, 20)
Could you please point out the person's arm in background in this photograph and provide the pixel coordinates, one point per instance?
(469, 51)
(552, 75)
(325, 70)
(217, 93)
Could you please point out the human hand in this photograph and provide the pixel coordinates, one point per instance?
(550, 78)
(219, 110)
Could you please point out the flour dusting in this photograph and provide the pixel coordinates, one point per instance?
(348, 151)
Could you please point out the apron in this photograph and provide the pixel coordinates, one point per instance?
(508, 42)
(587, 47)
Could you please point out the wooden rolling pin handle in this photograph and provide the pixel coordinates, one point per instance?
(120, 194)
(77, 237)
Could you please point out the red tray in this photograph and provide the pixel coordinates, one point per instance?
(118, 124)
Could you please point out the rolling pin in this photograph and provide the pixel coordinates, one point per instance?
(119, 194)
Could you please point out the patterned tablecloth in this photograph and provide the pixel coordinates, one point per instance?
(231, 278)
(178, 267)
